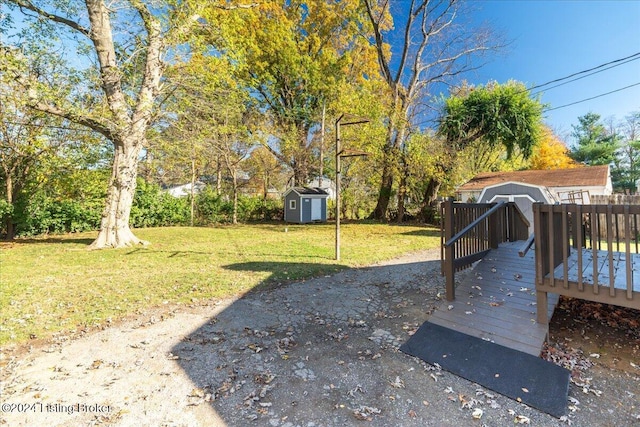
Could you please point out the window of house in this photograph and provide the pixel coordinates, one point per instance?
(292, 204)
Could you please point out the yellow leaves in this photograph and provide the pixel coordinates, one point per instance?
(551, 153)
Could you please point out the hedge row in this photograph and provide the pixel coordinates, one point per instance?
(42, 214)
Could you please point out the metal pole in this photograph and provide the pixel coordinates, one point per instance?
(324, 110)
(338, 167)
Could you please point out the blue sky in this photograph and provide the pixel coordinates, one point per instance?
(555, 38)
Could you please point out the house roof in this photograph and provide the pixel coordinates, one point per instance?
(587, 176)
(314, 191)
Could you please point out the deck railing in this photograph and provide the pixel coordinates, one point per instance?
(580, 249)
(470, 230)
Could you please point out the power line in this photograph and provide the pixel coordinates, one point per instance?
(593, 97)
(616, 61)
(585, 76)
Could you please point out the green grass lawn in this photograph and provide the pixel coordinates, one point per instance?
(55, 285)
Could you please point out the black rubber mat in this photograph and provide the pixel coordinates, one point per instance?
(517, 375)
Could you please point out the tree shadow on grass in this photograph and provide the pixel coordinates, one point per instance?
(228, 254)
(172, 254)
(283, 272)
(51, 240)
(423, 233)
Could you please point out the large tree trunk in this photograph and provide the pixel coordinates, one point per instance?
(427, 207)
(384, 195)
(402, 194)
(395, 137)
(9, 221)
(114, 226)
(301, 170)
(402, 188)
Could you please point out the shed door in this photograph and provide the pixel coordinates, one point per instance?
(316, 210)
(523, 201)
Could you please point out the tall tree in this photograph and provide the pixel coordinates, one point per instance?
(26, 138)
(265, 169)
(294, 56)
(36, 149)
(595, 145)
(627, 163)
(125, 44)
(551, 153)
(430, 47)
(499, 115)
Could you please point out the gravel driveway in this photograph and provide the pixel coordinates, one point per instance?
(323, 352)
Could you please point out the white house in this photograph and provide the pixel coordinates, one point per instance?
(328, 185)
(184, 190)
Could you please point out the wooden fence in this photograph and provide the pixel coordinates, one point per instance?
(620, 226)
(580, 249)
(470, 230)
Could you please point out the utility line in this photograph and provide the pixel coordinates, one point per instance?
(582, 77)
(585, 71)
(593, 97)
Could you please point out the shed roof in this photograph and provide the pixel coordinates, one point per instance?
(315, 191)
(587, 176)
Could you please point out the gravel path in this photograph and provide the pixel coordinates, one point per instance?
(323, 352)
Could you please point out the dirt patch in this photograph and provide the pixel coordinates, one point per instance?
(607, 334)
(323, 352)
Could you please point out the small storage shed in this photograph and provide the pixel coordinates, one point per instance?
(561, 183)
(524, 195)
(305, 204)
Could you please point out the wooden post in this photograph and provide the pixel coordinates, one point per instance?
(541, 246)
(542, 305)
(494, 230)
(449, 270)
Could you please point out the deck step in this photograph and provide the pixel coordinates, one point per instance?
(496, 301)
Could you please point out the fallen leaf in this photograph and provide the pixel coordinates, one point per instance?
(197, 392)
(477, 413)
(364, 413)
(398, 383)
(96, 364)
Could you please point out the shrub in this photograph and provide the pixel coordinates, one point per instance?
(154, 208)
(212, 208)
(257, 209)
(41, 214)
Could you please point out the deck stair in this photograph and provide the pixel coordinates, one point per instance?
(496, 301)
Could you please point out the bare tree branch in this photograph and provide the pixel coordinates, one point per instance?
(22, 4)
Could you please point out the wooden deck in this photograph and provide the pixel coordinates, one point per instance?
(496, 301)
(606, 268)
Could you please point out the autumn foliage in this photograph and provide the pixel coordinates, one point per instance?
(551, 153)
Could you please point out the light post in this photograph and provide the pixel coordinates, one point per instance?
(340, 153)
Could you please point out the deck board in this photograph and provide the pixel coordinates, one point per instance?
(619, 269)
(496, 301)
